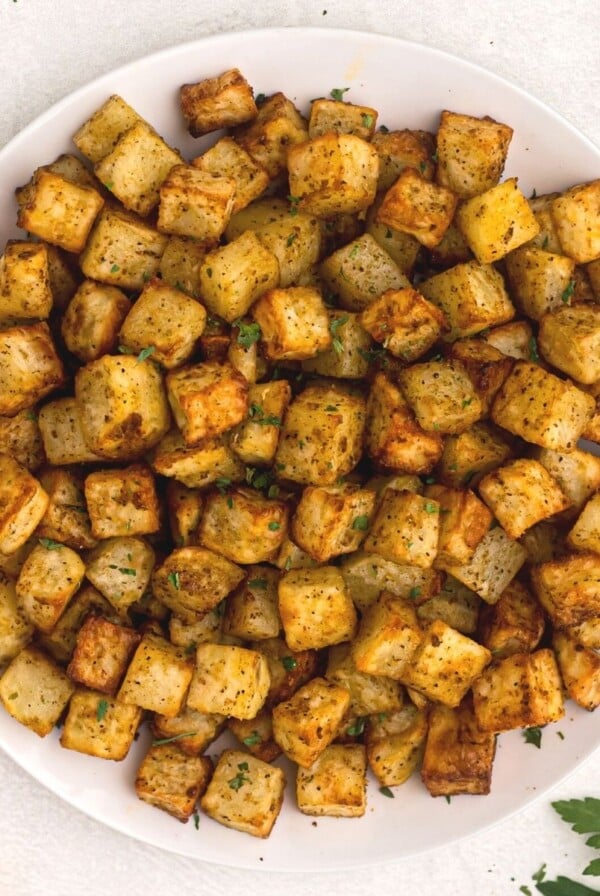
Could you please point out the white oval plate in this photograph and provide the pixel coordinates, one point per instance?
(409, 84)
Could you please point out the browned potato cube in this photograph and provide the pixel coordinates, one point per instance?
(171, 780)
(34, 690)
(120, 569)
(569, 588)
(294, 323)
(99, 725)
(187, 630)
(59, 211)
(243, 525)
(487, 367)
(60, 642)
(404, 322)
(49, 578)
(184, 506)
(466, 457)
(293, 238)
(403, 248)
(328, 115)
(122, 250)
(577, 472)
(403, 149)
(495, 563)
(569, 339)
(332, 520)
(194, 580)
(291, 556)
(538, 279)
(252, 612)
(229, 680)
(415, 205)
(405, 529)
(575, 215)
(309, 721)
(256, 439)
(195, 203)
(220, 102)
(197, 465)
(315, 608)
(349, 352)
(368, 693)
(157, 677)
(207, 399)
(464, 520)
(395, 743)
(277, 126)
(228, 159)
(257, 735)
(455, 604)
(25, 290)
(497, 221)
(16, 630)
(244, 793)
(519, 691)
(122, 502)
(441, 395)
(458, 754)
(360, 271)
(20, 437)
(388, 637)
(585, 534)
(23, 503)
(98, 135)
(471, 152)
(101, 654)
(90, 325)
(366, 575)
(21, 386)
(62, 433)
(335, 784)
(514, 624)
(580, 670)
(194, 731)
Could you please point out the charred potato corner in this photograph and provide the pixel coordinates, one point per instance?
(295, 456)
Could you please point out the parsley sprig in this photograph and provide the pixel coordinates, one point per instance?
(584, 817)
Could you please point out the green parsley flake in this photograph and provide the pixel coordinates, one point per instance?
(533, 736)
(127, 571)
(101, 709)
(361, 523)
(289, 663)
(338, 93)
(248, 334)
(415, 592)
(146, 352)
(49, 544)
(174, 580)
(357, 728)
(385, 791)
(274, 526)
(367, 120)
(196, 817)
(334, 326)
(430, 507)
(115, 268)
(170, 740)
(252, 739)
(258, 583)
(568, 291)
(240, 779)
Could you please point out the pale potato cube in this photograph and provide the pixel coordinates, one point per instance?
(62, 433)
(187, 630)
(22, 385)
(522, 493)
(243, 525)
(180, 264)
(415, 205)
(468, 456)
(227, 158)
(172, 781)
(575, 215)
(122, 250)
(471, 152)
(569, 339)
(332, 520)
(34, 690)
(25, 291)
(335, 784)
(16, 630)
(497, 221)
(315, 608)
(122, 502)
(388, 637)
(255, 440)
(494, 564)
(538, 279)
(23, 503)
(194, 580)
(59, 211)
(207, 399)
(291, 556)
(458, 754)
(514, 339)
(404, 322)
(587, 632)
(20, 437)
(395, 742)
(359, 272)
(158, 676)
(455, 604)
(514, 624)
(405, 529)
(98, 135)
(184, 507)
(99, 725)
(309, 721)
(102, 653)
(486, 366)
(49, 578)
(348, 355)
(585, 534)
(91, 322)
(369, 694)
(328, 115)
(577, 472)
(580, 670)
(366, 575)
(441, 395)
(294, 323)
(195, 731)
(196, 465)
(120, 568)
(220, 102)
(464, 520)
(195, 203)
(569, 588)
(252, 612)
(277, 126)
(229, 680)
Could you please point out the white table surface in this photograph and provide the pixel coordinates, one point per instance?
(49, 48)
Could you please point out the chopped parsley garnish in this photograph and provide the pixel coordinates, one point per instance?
(361, 523)
(291, 239)
(240, 779)
(334, 326)
(367, 120)
(115, 268)
(568, 291)
(248, 334)
(49, 544)
(338, 93)
(257, 415)
(101, 709)
(170, 740)
(357, 727)
(289, 663)
(146, 352)
(127, 571)
(293, 201)
(252, 739)
(258, 583)
(533, 736)
(174, 580)
(260, 98)
(386, 792)
(430, 507)
(415, 592)
(274, 526)
(222, 483)
(533, 350)
(196, 817)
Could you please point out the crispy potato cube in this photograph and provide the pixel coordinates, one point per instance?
(366, 575)
(587, 632)
(585, 534)
(34, 690)
(415, 205)
(368, 693)
(98, 135)
(60, 642)
(497, 221)
(244, 793)
(455, 604)
(569, 339)
(62, 433)
(520, 494)
(569, 588)
(198, 465)
(458, 754)
(229, 680)
(195, 731)
(394, 439)
(171, 780)
(294, 323)
(99, 725)
(333, 174)
(294, 240)
(403, 149)
(243, 525)
(252, 612)
(214, 103)
(441, 395)
(446, 664)
(328, 115)
(468, 456)
(404, 322)
(120, 569)
(321, 437)
(541, 408)
(20, 437)
(195, 203)
(395, 744)
(59, 211)
(122, 250)
(332, 520)
(575, 216)
(309, 721)
(257, 735)
(543, 542)
(315, 608)
(163, 319)
(359, 272)
(403, 248)
(405, 529)
(288, 669)
(348, 355)
(335, 784)
(519, 691)
(580, 670)
(25, 291)
(495, 563)
(122, 405)
(576, 471)
(157, 677)
(256, 439)
(16, 630)
(388, 637)
(471, 152)
(464, 520)
(90, 325)
(23, 503)
(486, 366)
(102, 653)
(277, 126)
(122, 502)
(514, 624)
(194, 580)
(49, 578)
(538, 279)
(184, 506)
(472, 296)
(227, 158)
(22, 385)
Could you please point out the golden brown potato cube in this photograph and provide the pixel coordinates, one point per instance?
(468, 456)
(587, 632)
(519, 691)
(458, 754)
(455, 604)
(575, 215)
(261, 214)
(404, 322)
(180, 263)
(34, 690)
(446, 664)
(333, 174)
(577, 472)
(335, 784)
(23, 503)
(471, 152)
(16, 630)
(585, 534)
(348, 355)
(49, 578)
(398, 150)
(59, 211)
(122, 405)
(360, 271)
(164, 324)
(294, 323)
(403, 248)
(60, 642)
(232, 277)
(395, 742)
(541, 408)
(194, 580)
(252, 612)
(102, 654)
(514, 624)
(415, 205)
(538, 279)
(321, 437)
(122, 502)
(441, 395)
(122, 250)
(514, 339)
(277, 126)
(569, 339)
(184, 506)
(207, 399)
(451, 250)
(195, 203)
(214, 103)
(98, 135)
(580, 670)
(90, 325)
(569, 588)
(291, 556)
(135, 168)
(62, 433)
(244, 793)
(494, 564)
(394, 439)
(328, 115)
(171, 780)
(295, 241)
(309, 721)
(332, 520)
(20, 437)
(288, 669)
(193, 731)
(229, 680)
(405, 529)
(25, 290)
(257, 735)
(228, 159)
(198, 465)
(255, 441)
(22, 385)
(472, 296)
(99, 725)
(388, 637)
(157, 677)
(464, 520)
(366, 575)
(368, 693)
(243, 525)
(486, 366)
(315, 608)
(120, 569)
(497, 221)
